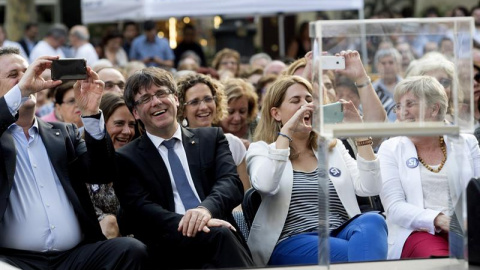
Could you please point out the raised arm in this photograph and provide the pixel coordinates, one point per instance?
(373, 110)
(265, 165)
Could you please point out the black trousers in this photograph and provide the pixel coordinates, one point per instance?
(220, 248)
(118, 253)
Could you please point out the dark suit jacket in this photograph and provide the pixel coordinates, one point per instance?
(24, 45)
(145, 190)
(73, 164)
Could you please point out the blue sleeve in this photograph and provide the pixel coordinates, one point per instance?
(168, 52)
(14, 99)
(133, 55)
(95, 127)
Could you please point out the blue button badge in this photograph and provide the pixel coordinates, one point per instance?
(412, 162)
(335, 172)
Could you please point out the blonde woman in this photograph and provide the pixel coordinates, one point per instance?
(282, 165)
(227, 63)
(242, 108)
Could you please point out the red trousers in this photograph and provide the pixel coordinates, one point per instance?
(425, 245)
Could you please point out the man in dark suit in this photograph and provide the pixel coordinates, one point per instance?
(29, 39)
(178, 186)
(47, 220)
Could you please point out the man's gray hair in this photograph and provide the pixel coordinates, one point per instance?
(57, 31)
(260, 56)
(388, 52)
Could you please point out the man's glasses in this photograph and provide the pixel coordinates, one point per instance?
(445, 82)
(196, 102)
(109, 85)
(409, 104)
(160, 94)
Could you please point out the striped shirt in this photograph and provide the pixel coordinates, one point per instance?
(386, 98)
(303, 211)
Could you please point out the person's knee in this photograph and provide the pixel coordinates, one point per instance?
(131, 246)
(6, 262)
(221, 231)
(374, 221)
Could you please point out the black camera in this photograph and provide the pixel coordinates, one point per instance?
(69, 69)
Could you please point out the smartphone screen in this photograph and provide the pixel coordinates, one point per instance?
(332, 113)
(69, 69)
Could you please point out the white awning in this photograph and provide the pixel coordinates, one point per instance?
(103, 11)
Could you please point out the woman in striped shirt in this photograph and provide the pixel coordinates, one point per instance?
(282, 165)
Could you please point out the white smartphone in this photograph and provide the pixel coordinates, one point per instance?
(332, 62)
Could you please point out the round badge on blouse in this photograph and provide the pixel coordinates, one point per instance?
(335, 172)
(94, 187)
(412, 162)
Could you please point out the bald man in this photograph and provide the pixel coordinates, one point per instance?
(275, 67)
(113, 79)
(82, 48)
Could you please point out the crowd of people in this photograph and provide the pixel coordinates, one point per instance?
(144, 164)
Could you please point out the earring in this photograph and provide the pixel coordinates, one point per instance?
(185, 122)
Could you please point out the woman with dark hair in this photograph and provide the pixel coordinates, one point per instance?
(301, 44)
(120, 126)
(112, 48)
(66, 109)
(203, 104)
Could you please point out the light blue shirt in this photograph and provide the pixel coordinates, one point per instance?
(141, 49)
(39, 216)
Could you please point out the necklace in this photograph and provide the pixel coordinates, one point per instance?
(444, 151)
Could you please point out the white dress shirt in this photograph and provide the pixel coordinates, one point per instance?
(180, 151)
(39, 216)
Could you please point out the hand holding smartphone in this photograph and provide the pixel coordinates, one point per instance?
(332, 113)
(69, 69)
(332, 62)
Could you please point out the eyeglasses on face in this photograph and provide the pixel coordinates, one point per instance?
(408, 105)
(445, 82)
(196, 102)
(70, 102)
(160, 94)
(109, 85)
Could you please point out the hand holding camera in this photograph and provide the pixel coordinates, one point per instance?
(88, 93)
(32, 80)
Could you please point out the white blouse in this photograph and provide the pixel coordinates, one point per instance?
(236, 147)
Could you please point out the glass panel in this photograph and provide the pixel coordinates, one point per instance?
(384, 39)
(394, 54)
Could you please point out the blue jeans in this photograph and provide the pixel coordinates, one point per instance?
(363, 239)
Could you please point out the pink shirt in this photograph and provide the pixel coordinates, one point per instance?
(50, 117)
